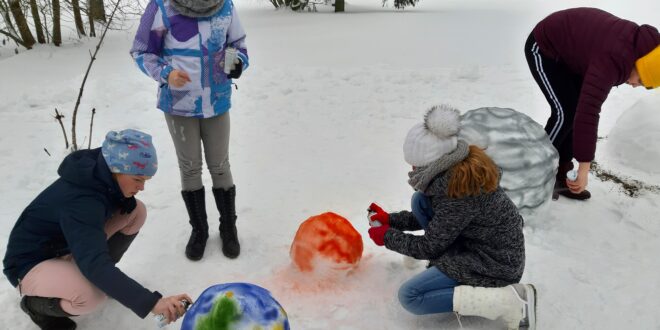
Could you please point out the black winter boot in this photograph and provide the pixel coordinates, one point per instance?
(47, 313)
(562, 189)
(225, 200)
(118, 244)
(196, 207)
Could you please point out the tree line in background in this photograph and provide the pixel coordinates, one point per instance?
(21, 20)
(300, 5)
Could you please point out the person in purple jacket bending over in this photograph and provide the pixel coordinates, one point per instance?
(193, 49)
(576, 56)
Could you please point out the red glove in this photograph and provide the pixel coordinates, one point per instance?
(377, 234)
(379, 214)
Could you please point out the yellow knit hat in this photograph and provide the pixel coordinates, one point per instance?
(648, 67)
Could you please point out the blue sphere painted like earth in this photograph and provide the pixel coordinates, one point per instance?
(235, 306)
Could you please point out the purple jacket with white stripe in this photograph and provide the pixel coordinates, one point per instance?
(600, 47)
(167, 40)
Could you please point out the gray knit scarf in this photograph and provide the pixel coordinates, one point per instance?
(197, 8)
(421, 177)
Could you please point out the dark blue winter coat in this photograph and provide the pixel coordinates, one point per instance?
(69, 217)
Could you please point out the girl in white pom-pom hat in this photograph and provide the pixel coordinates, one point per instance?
(473, 235)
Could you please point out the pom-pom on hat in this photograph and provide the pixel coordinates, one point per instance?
(130, 152)
(428, 141)
(648, 67)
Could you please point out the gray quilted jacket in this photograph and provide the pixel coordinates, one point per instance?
(476, 241)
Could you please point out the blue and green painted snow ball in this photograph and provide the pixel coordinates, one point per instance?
(235, 306)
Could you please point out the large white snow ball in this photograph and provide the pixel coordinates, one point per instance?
(520, 147)
(630, 145)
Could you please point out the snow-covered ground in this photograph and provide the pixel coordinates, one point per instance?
(318, 125)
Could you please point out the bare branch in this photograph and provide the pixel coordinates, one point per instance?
(91, 124)
(59, 117)
(82, 86)
(15, 38)
(6, 15)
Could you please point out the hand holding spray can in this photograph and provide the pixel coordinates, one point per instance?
(161, 320)
(372, 223)
(571, 175)
(231, 59)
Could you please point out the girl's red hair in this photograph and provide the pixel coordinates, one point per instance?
(475, 175)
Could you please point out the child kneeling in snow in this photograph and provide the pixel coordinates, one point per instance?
(62, 252)
(472, 231)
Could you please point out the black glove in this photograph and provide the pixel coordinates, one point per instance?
(237, 71)
(127, 205)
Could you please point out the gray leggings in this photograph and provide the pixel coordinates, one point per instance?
(187, 134)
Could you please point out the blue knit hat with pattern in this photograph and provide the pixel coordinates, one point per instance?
(130, 152)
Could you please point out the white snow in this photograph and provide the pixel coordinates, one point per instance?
(318, 125)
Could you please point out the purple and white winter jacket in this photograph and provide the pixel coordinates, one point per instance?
(167, 40)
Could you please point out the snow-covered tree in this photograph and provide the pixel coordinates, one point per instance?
(400, 4)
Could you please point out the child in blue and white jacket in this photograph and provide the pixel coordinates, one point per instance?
(182, 45)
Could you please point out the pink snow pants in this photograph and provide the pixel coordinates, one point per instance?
(61, 278)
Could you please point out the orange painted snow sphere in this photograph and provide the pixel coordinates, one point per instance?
(326, 243)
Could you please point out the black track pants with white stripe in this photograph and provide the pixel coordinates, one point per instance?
(561, 88)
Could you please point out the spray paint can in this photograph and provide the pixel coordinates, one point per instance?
(372, 223)
(161, 320)
(571, 175)
(231, 58)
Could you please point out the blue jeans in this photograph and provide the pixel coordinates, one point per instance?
(421, 209)
(428, 292)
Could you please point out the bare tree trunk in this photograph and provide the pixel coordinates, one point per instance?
(78, 18)
(339, 6)
(45, 14)
(96, 10)
(57, 31)
(21, 23)
(92, 29)
(4, 10)
(11, 30)
(37, 22)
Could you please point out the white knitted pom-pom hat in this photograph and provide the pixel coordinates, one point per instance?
(437, 136)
